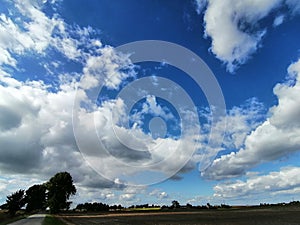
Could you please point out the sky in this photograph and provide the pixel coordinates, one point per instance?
(152, 101)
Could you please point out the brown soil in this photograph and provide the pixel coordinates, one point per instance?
(278, 216)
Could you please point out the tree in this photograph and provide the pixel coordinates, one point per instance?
(92, 207)
(175, 204)
(189, 206)
(4, 206)
(15, 202)
(60, 187)
(36, 197)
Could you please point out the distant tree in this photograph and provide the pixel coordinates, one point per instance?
(15, 202)
(189, 206)
(36, 197)
(209, 206)
(92, 207)
(164, 207)
(175, 204)
(4, 206)
(225, 206)
(113, 207)
(60, 187)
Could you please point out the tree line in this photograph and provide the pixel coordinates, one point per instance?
(54, 194)
(97, 207)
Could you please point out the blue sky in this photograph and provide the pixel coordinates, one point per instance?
(134, 132)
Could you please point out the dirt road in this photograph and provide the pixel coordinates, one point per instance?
(36, 219)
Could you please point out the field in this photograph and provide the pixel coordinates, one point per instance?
(5, 218)
(274, 216)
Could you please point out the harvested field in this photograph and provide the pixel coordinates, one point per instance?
(223, 217)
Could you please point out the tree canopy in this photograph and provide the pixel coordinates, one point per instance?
(175, 204)
(36, 197)
(53, 194)
(15, 202)
(60, 187)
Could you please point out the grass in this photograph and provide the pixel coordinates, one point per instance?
(5, 218)
(52, 220)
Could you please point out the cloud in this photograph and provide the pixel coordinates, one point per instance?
(40, 141)
(294, 6)
(36, 119)
(234, 26)
(37, 137)
(157, 193)
(285, 181)
(103, 135)
(276, 137)
(200, 5)
(151, 106)
(27, 30)
(15, 182)
(278, 20)
(131, 195)
(108, 67)
(231, 129)
(126, 151)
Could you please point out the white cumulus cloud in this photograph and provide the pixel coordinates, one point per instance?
(285, 181)
(234, 29)
(277, 136)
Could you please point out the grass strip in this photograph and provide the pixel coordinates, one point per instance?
(6, 219)
(52, 220)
